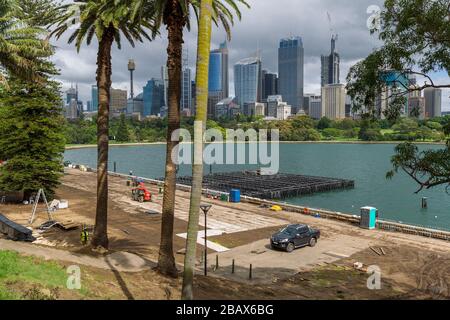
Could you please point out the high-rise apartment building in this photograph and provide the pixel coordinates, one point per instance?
(291, 71)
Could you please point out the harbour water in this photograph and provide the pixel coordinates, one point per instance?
(367, 164)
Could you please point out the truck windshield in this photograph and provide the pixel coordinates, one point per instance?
(289, 230)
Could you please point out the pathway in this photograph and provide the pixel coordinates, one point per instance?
(120, 261)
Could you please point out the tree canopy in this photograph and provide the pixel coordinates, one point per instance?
(23, 47)
(416, 41)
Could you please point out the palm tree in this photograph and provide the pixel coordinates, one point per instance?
(174, 14)
(203, 48)
(23, 52)
(107, 20)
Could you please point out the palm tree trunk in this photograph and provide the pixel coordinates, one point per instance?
(100, 237)
(204, 45)
(175, 21)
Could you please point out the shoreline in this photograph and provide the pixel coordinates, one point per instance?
(133, 144)
(326, 214)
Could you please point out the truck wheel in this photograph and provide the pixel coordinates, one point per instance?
(312, 242)
(141, 199)
(290, 247)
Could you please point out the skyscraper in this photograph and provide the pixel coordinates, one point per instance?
(72, 93)
(153, 97)
(247, 80)
(218, 77)
(330, 65)
(94, 97)
(291, 71)
(72, 110)
(186, 84)
(194, 96)
(186, 89)
(433, 102)
(165, 80)
(269, 84)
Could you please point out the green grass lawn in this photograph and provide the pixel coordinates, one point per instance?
(23, 277)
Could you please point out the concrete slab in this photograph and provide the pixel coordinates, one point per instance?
(268, 264)
(201, 239)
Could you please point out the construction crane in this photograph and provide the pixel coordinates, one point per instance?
(334, 37)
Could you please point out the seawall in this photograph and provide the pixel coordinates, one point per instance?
(320, 213)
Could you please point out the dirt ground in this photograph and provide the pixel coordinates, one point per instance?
(413, 267)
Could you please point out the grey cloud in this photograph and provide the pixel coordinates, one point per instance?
(261, 27)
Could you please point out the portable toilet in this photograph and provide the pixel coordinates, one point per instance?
(368, 217)
(235, 195)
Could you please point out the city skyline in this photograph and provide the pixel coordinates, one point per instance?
(348, 19)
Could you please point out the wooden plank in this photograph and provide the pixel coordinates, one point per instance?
(373, 249)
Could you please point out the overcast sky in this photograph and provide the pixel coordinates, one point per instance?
(261, 27)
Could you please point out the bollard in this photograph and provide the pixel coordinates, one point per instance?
(115, 167)
(424, 203)
(232, 266)
(250, 272)
(217, 262)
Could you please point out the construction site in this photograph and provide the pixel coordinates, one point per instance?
(240, 262)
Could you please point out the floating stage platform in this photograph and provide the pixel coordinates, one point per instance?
(279, 186)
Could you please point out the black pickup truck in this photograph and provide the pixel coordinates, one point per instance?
(294, 236)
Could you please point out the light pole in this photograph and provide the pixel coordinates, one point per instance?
(205, 208)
